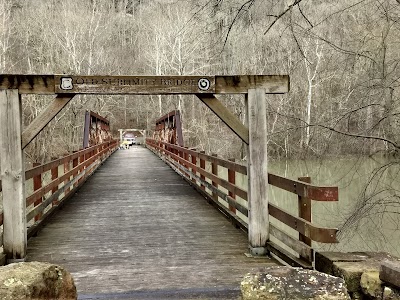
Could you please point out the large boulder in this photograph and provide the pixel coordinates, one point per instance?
(35, 280)
(281, 283)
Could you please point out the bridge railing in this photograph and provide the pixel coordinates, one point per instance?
(224, 183)
(47, 186)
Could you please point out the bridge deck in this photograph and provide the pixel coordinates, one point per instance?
(138, 227)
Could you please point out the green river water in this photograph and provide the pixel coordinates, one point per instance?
(371, 202)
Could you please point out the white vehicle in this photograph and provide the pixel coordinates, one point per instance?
(130, 141)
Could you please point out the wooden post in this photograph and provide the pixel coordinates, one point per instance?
(257, 172)
(37, 184)
(75, 163)
(186, 158)
(12, 176)
(202, 166)
(305, 210)
(54, 175)
(194, 162)
(66, 169)
(214, 170)
(81, 160)
(232, 179)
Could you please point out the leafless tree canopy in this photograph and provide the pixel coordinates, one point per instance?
(342, 58)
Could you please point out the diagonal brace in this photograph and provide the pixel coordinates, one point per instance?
(226, 116)
(44, 118)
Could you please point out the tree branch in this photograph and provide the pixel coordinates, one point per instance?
(357, 135)
(249, 3)
(296, 2)
(304, 16)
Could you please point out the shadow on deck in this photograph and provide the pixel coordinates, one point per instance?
(137, 230)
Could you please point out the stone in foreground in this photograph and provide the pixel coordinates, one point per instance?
(371, 285)
(35, 280)
(281, 283)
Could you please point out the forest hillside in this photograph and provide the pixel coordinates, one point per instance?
(342, 58)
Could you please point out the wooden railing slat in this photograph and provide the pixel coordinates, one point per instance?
(219, 161)
(303, 249)
(41, 192)
(226, 184)
(178, 168)
(304, 189)
(288, 257)
(48, 166)
(40, 208)
(194, 177)
(318, 234)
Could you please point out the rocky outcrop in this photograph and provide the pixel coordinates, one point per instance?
(368, 275)
(35, 280)
(276, 283)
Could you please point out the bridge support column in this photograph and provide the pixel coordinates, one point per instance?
(12, 176)
(257, 172)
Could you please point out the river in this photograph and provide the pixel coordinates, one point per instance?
(372, 201)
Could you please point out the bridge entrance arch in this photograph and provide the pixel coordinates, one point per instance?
(13, 138)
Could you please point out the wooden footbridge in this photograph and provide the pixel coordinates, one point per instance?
(157, 220)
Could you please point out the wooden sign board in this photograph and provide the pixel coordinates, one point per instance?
(145, 85)
(142, 85)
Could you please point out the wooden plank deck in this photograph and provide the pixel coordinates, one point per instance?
(136, 228)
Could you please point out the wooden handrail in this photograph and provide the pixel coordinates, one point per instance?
(302, 189)
(42, 191)
(84, 163)
(221, 162)
(89, 161)
(48, 166)
(318, 234)
(226, 184)
(30, 173)
(184, 161)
